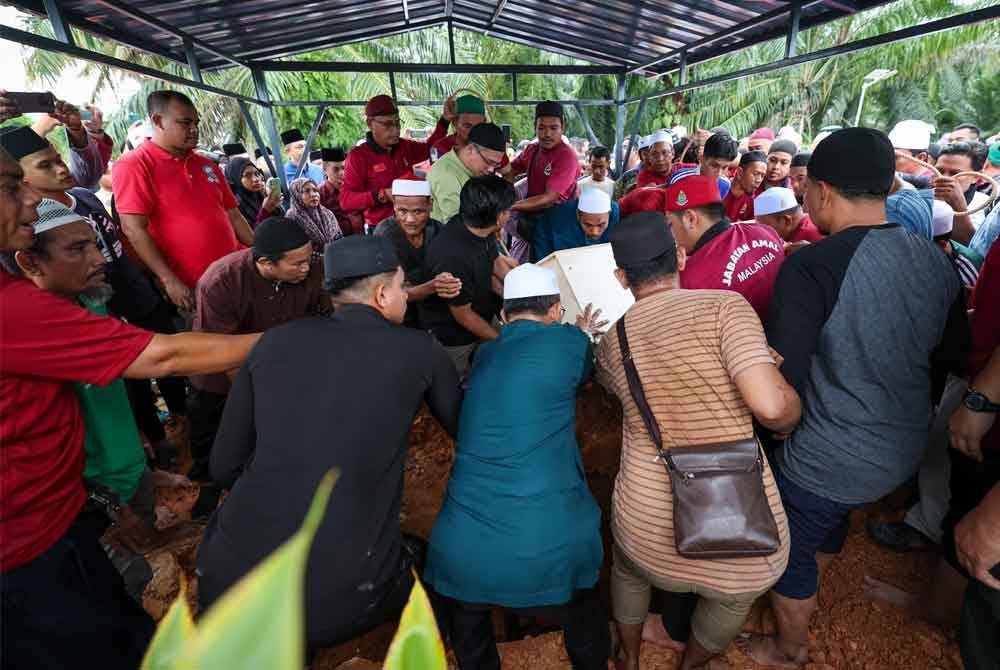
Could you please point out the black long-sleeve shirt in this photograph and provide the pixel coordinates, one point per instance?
(314, 394)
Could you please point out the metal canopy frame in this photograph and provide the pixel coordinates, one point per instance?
(673, 48)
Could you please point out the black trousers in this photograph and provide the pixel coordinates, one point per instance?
(583, 620)
(140, 391)
(204, 411)
(979, 632)
(68, 609)
(970, 482)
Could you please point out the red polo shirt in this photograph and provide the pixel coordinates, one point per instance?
(807, 231)
(986, 328)
(369, 168)
(643, 200)
(742, 257)
(46, 343)
(650, 178)
(738, 207)
(186, 200)
(554, 170)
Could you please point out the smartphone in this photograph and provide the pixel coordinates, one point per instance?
(274, 186)
(33, 102)
(85, 114)
(506, 133)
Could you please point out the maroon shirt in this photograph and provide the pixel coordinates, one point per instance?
(986, 329)
(807, 231)
(370, 168)
(232, 298)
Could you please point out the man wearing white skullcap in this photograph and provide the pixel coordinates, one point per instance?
(964, 259)
(576, 223)
(660, 161)
(912, 138)
(519, 528)
(628, 181)
(778, 208)
(411, 229)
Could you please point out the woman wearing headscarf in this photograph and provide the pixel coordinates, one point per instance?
(249, 187)
(318, 222)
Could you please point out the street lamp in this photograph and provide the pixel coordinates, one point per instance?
(872, 78)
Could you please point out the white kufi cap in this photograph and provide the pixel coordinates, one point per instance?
(944, 218)
(406, 187)
(911, 134)
(774, 200)
(594, 201)
(662, 136)
(528, 281)
(52, 214)
(644, 141)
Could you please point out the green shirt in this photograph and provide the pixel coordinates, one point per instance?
(114, 454)
(447, 177)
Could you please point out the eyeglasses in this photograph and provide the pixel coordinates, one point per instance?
(491, 163)
(388, 124)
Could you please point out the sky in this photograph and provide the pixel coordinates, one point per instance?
(71, 87)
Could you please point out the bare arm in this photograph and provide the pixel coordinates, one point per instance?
(977, 539)
(771, 399)
(536, 203)
(967, 428)
(472, 322)
(136, 227)
(244, 233)
(189, 354)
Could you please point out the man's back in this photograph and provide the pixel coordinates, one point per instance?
(447, 177)
(856, 317)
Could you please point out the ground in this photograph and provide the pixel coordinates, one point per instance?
(850, 632)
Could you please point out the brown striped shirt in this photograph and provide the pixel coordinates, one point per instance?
(688, 346)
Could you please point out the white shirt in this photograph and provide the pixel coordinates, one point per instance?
(608, 185)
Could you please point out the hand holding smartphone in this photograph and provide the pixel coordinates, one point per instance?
(274, 187)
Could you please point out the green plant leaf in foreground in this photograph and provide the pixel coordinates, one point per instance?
(417, 644)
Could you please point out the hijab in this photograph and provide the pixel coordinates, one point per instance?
(319, 223)
(250, 202)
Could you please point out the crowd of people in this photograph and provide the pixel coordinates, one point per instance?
(813, 328)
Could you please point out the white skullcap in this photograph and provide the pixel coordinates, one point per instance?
(594, 201)
(528, 281)
(52, 214)
(911, 134)
(944, 218)
(679, 131)
(139, 134)
(819, 138)
(411, 187)
(662, 136)
(789, 133)
(774, 200)
(644, 141)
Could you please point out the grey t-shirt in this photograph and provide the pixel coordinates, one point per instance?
(857, 317)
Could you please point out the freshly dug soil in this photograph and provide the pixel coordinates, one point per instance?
(849, 632)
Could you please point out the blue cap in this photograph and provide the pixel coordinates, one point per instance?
(914, 210)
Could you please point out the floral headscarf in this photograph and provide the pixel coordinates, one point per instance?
(319, 223)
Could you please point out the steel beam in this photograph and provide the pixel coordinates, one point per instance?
(451, 41)
(406, 11)
(60, 27)
(921, 30)
(682, 70)
(392, 84)
(432, 68)
(635, 130)
(260, 85)
(620, 125)
(192, 60)
(791, 41)
(261, 144)
(586, 124)
(153, 22)
(435, 103)
(496, 13)
(513, 86)
(309, 141)
(39, 42)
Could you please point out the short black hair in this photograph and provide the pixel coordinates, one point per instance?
(638, 274)
(713, 211)
(599, 152)
(801, 159)
(722, 146)
(958, 149)
(860, 193)
(538, 305)
(980, 151)
(934, 150)
(336, 286)
(483, 199)
(682, 145)
(969, 126)
(158, 101)
(39, 247)
(752, 157)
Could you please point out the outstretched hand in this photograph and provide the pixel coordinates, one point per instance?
(589, 322)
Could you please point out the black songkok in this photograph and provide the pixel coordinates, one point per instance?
(641, 237)
(21, 141)
(358, 256)
(855, 159)
(276, 235)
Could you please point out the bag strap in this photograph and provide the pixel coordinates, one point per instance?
(639, 396)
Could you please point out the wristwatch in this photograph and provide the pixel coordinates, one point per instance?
(977, 402)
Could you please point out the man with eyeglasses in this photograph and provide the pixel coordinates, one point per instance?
(481, 155)
(411, 229)
(384, 156)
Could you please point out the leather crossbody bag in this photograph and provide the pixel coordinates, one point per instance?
(720, 506)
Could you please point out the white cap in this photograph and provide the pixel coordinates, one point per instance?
(528, 281)
(138, 134)
(662, 136)
(944, 218)
(774, 200)
(52, 214)
(819, 138)
(406, 187)
(679, 131)
(594, 201)
(644, 141)
(911, 134)
(789, 133)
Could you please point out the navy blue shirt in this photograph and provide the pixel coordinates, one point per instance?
(559, 229)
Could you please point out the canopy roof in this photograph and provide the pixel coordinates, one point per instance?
(642, 36)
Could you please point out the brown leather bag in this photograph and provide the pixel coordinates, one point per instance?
(720, 506)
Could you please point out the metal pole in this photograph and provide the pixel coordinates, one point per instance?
(309, 141)
(261, 144)
(260, 85)
(60, 28)
(392, 84)
(682, 76)
(635, 130)
(192, 60)
(451, 41)
(513, 86)
(791, 46)
(620, 124)
(861, 103)
(586, 124)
